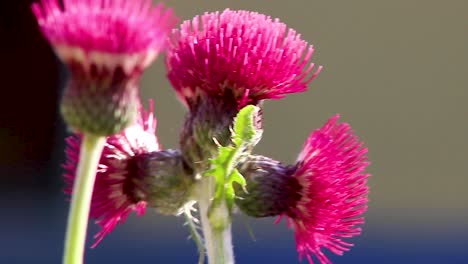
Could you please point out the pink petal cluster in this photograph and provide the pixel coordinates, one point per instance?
(112, 199)
(250, 54)
(330, 170)
(98, 29)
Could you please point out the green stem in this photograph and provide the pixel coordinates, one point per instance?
(218, 241)
(90, 153)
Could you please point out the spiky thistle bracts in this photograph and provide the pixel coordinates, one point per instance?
(271, 190)
(163, 180)
(106, 45)
(251, 54)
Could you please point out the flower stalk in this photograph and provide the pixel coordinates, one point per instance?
(216, 188)
(217, 237)
(90, 152)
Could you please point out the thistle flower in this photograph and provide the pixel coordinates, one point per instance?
(221, 62)
(247, 54)
(323, 196)
(106, 46)
(132, 172)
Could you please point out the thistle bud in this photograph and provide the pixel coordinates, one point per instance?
(98, 101)
(271, 190)
(163, 180)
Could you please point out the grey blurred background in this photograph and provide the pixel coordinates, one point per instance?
(395, 70)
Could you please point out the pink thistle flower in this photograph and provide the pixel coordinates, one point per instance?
(113, 33)
(115, 195)
(248, 54)
(323, 195)
(106, 45)
(333, 194)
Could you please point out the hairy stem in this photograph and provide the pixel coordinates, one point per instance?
(90, 152)
(218, 239)
(192, 224)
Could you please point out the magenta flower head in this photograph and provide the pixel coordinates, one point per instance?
(221, 62)
(106, 45)
(323, 196)
(133, 173)
(248, 55)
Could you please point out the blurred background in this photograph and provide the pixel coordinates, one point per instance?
(395, 70)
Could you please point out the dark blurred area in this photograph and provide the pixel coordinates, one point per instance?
(29, 123)
(396, 70)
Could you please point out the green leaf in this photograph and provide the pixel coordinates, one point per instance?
(244, 130)
(237, 177)
(244, 136)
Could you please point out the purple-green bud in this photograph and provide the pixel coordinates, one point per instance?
(100, 101)
(270, 188)
(162, 180)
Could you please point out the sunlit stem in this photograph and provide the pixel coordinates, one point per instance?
(90, 152)
(217, 238)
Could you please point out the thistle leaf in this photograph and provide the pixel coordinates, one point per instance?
(245, 135)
